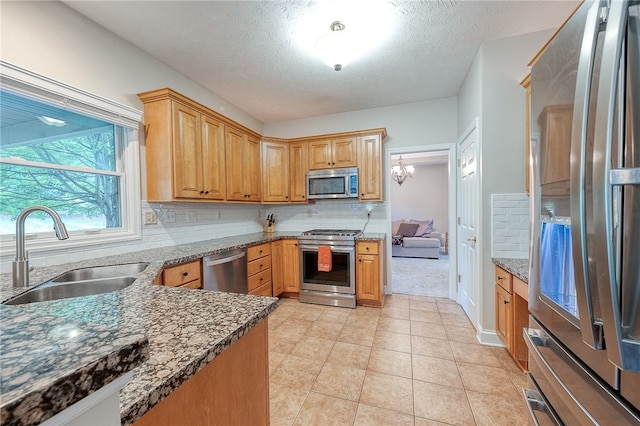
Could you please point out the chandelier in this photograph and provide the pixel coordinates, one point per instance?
(401, 172)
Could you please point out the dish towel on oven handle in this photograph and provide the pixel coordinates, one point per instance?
(324, 259)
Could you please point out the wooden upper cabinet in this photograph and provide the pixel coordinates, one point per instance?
(298, 165)
(555, 144)
(275, 171)
(526, 83)
(243, 166)
(332, 153)
(184, 151)
(370, 168)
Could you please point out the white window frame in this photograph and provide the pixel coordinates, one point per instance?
(26, 83)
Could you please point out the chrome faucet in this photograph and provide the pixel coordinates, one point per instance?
(21, 264)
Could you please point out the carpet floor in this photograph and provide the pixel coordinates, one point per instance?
(420, 277)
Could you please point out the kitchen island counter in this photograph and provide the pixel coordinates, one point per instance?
(186, 330)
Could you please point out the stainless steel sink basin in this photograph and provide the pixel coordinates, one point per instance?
(82, 282)
(102, 272)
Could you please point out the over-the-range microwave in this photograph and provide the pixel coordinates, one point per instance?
(332, 183)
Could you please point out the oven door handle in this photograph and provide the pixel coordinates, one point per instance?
(337, 249)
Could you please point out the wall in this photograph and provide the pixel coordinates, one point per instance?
(492, 92)
(510, 225)
(424, 196)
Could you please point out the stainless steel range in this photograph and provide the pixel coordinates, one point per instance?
(336, 287)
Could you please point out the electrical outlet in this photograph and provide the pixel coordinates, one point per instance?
(218, 214)
(192, 215)
(169, 216)
(150, 218)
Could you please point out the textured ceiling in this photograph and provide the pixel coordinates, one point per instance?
(248, 52)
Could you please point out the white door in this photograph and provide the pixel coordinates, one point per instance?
(468, 218)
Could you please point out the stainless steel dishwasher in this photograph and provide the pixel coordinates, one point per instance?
(226, 271)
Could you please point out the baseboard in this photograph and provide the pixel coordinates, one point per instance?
(489, 338)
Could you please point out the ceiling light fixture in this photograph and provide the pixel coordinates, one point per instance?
(400, 173)
(336, 48)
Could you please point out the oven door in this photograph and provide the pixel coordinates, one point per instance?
(341, 278)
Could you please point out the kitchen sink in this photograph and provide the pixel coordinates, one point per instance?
(82, 282)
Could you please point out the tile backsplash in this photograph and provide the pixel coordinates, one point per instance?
(510, 225)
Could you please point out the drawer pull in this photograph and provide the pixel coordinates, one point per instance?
(184, 274)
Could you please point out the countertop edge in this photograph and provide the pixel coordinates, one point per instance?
(516, 267)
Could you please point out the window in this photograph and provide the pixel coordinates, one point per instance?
(61, 152)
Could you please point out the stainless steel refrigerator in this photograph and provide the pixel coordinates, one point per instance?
(584, 282)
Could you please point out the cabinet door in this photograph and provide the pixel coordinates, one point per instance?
(504, 317)
(214, 182)
(251, 163)
(234, 143)
(556, 143)
(370, 168)
(291, 266)
(344, 152)
(319, 154)
(368, 277)
(187, 166)
(277, 271)
(298, 172)
(275, 171)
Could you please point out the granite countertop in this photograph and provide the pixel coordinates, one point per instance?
(517, 267)
(167, 334)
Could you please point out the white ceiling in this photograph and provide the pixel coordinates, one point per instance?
(248, 52)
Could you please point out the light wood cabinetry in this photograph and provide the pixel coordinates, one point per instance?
(526, 83)
(239, 376)
(298, 166)
(275, 171)
(277, 271)
(555, 143)
(369, 273)
(333, 153)
(286, 268)
(185, 155)
(370, 168)
(259, 270)
(187, 275)
(243, 166)
(512, 314)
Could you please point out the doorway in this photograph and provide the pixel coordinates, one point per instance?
(429, 195)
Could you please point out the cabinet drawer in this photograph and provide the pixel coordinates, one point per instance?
(504, 280)
(258, 251)
(182, 274)
(263, 290)
(258, 279)
(258, 265)
(193, 284)
(368, 247)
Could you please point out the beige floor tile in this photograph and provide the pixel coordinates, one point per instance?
(436, 370)
(376, 416)
(425, 316)
(484, 379)
(507, 360)
(398, 313)
(394, 325)
(490, 410)
(340, 381)
(285, 403)
(441, 403)
(389, 362)
(293, 329)
(456, 320)
(334, 315)
(355, 335)
(324, 410)
(390, 392)
(297, 372)
(392, 341)
(419, 421)
(397, 300)
(364, 322)
(423, 305)
(427, 346)
(282, 344)
(450, 308)
(275, 359)
(325, 330)
(475, 354)
(349, 355)
(426, 329)
(519, 379)
(424, 299)
(461, 334)
(310, 347)
(306, 312)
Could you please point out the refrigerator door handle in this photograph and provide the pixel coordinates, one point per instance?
(590, 329)
(622, 349)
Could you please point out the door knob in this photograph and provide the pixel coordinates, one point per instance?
(473, 239)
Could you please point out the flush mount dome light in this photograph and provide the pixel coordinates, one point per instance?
(337, 47)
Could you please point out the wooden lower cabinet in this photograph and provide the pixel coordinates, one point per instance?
(512, 314)
(233, 389)
(259, 270)
(286, 268)
(187, 275)
(369, 273)
(277, 272)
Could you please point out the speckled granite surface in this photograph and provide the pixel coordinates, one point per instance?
(185, 329)
(517, 267)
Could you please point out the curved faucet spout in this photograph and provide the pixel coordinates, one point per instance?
(21, 264)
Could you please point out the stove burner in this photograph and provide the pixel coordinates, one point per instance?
(334, 232)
